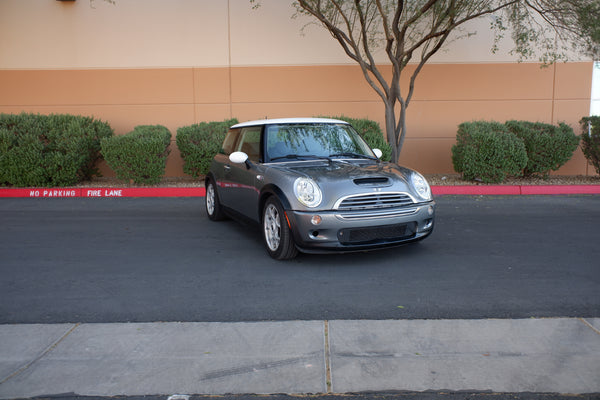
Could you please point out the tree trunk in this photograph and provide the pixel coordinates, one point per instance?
(390, 129)
(401, 128)
(395, 129)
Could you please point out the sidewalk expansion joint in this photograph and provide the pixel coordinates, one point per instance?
(327, 358)
(42, 354)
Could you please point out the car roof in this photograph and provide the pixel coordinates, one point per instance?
(290, 121)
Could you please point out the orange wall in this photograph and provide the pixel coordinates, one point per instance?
(446, 95)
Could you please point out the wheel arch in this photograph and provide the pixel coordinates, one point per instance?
(268, 191)
(211, 177)
(208, 177)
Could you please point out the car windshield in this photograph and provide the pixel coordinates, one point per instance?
(306, 141)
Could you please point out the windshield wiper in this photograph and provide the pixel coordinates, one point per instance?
(353, 155)
(301, 157)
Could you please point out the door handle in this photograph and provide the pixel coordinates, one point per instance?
(227, 168)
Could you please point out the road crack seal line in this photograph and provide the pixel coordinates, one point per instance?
(592, 327)
(42, 354)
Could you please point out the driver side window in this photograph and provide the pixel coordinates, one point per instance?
(250, 142)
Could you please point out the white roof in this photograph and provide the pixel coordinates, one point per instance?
(290, 121)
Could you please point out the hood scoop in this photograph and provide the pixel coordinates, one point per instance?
(372, 181)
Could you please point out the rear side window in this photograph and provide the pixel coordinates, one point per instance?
(229, 142)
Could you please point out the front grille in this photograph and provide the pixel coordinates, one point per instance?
(372, 201)
(377, 234)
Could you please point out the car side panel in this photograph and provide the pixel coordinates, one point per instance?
(243, 193)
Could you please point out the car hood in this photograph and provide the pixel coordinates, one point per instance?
(338, 178)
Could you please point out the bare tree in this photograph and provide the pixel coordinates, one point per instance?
(412, 31)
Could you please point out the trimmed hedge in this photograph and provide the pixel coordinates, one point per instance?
(590, 140)
(49, 150)
(199, 143)
(548, 147)
(140, 155)
(371, 132)
(488, 151)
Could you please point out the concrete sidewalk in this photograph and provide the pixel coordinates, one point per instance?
(559, 355)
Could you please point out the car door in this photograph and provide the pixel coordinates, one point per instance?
(221, 166)
(240, 191)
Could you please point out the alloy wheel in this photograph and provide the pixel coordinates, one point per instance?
(272, 227)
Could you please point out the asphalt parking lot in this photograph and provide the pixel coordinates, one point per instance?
(147, 297)
(146, 260)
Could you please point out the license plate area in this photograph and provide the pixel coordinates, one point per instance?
(377, 234)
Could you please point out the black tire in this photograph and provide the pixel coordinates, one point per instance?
(276, 232)
(211, 200)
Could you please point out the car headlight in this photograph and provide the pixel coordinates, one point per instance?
(421, 186)
(307, 192)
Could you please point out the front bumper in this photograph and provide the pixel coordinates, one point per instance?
(361, 230)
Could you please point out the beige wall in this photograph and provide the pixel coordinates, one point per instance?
(183, 33)
(179, 62)
(133, 33)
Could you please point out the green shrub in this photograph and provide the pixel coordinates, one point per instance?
(488, 151)
(590, 140)
(140, 155)
(371, 132)
(49, 150)
(548, 147)
(199, 143)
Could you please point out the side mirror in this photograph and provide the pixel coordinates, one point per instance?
(238, 157)
(378, 153)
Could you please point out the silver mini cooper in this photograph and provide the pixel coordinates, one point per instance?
(314, 185)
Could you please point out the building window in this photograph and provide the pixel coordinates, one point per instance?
(595, 106)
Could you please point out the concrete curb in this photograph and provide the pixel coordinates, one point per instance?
(472, 190)
(497, 190)
(104, 192)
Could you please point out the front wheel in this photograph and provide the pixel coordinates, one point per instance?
(276, 232)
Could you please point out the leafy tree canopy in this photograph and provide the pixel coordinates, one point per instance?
(412, 31)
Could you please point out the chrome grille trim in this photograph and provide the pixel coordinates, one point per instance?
(374, 201)
(376, 215)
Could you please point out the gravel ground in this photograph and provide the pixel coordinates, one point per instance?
(176, 181)
(433, 179)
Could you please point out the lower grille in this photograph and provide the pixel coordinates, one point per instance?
(377, 234)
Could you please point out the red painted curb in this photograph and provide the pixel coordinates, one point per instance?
(105, 192)
(561, 189)
(483, 190)
(144, 192)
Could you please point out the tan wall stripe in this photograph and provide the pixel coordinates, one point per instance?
(446, 95)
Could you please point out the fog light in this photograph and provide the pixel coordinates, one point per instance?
(428, 224)
(316, 220)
